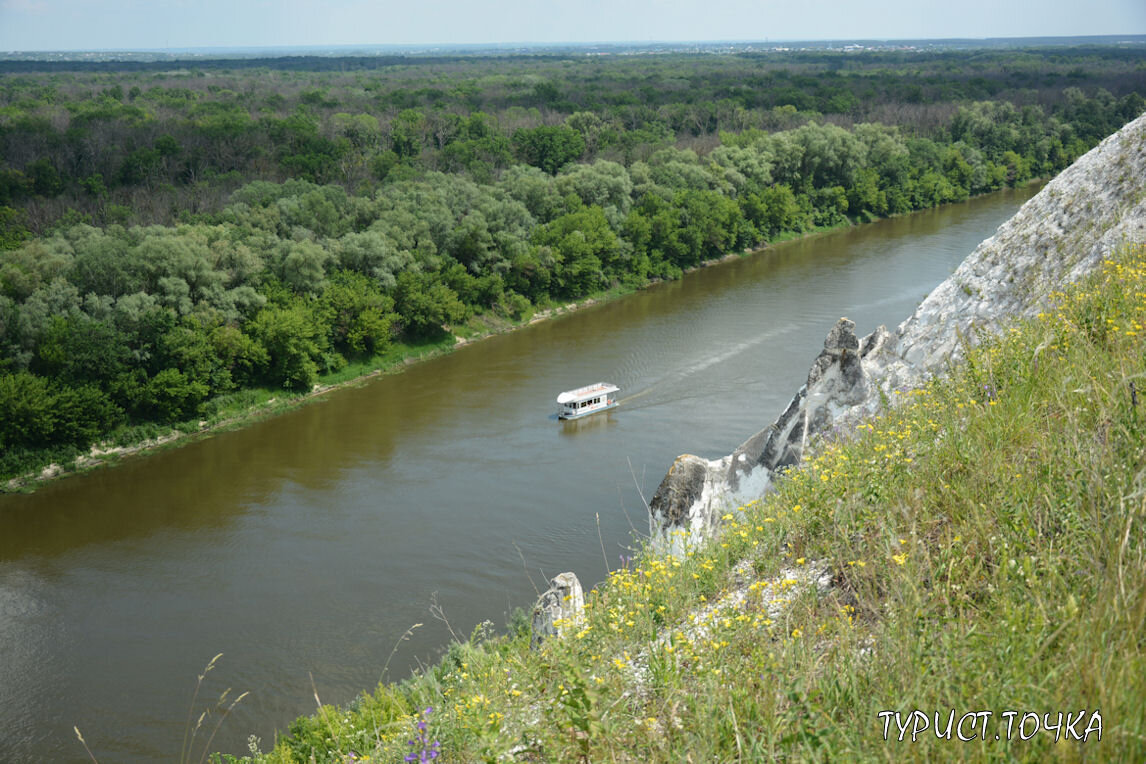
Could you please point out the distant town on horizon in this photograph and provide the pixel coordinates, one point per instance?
(145, 55)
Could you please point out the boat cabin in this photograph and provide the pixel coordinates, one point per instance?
(586, 400)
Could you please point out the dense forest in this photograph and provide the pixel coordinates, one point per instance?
(169, 239)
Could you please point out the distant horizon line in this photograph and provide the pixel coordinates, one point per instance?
(1133, 37)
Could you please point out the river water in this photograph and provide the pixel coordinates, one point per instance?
(304, 547)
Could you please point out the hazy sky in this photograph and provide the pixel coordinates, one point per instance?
(158, 24)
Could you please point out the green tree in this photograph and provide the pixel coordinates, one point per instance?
(139, 166)
(549, 147)
(373, 254)
(865, 194)
(774, 210)
(78, 350)
(244, 357)
(712, 226)
(603, 183)
(362, 130)
(15, 186)
(83, 415)
(586, 250)
(106, 265)
(831, 155)
(293, 341)
(1018, 167)
(426, 305)
(27, 410)
(654, 229)
(408, 134)
(304, 266)
(358, 316)
(44, 177)
(590, 126)
(829, 205)
(531, 272)
(13, 228)
(188, 348)
(535, 189)
(171, 396)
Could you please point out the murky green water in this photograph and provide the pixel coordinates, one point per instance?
(305, 546)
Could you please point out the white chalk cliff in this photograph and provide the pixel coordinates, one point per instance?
(1059, 236)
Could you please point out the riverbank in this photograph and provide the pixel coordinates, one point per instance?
(252, 405)
(972, 552)
(257, 404)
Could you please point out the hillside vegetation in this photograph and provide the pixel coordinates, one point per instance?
(977, 549)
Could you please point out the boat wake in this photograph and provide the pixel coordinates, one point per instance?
(669, 384)
(734, 351)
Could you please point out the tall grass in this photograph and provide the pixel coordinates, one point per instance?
(210, 718)
(978, 548)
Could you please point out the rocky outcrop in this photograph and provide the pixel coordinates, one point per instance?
(1059, 236)
(561, 605)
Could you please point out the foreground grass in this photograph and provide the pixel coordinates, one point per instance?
(984, 544)
(980, 548)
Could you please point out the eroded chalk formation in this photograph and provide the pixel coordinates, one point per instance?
(561, 605)
(1059, 236)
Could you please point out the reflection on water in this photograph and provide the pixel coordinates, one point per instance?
(309, 543)
(580, 426)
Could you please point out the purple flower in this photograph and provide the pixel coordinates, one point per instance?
(424, 750)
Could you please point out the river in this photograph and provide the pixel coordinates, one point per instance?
(304, 547)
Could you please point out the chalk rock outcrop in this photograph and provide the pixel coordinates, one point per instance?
(1056, 238)
(561, 605)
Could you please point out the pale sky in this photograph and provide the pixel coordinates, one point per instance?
(31, 25)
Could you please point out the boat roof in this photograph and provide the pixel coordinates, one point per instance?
(588, 391)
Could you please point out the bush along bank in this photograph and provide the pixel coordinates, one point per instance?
(961, 578)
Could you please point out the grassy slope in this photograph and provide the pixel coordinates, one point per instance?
(986, 546)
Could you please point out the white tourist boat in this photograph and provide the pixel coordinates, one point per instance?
(573, 404)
